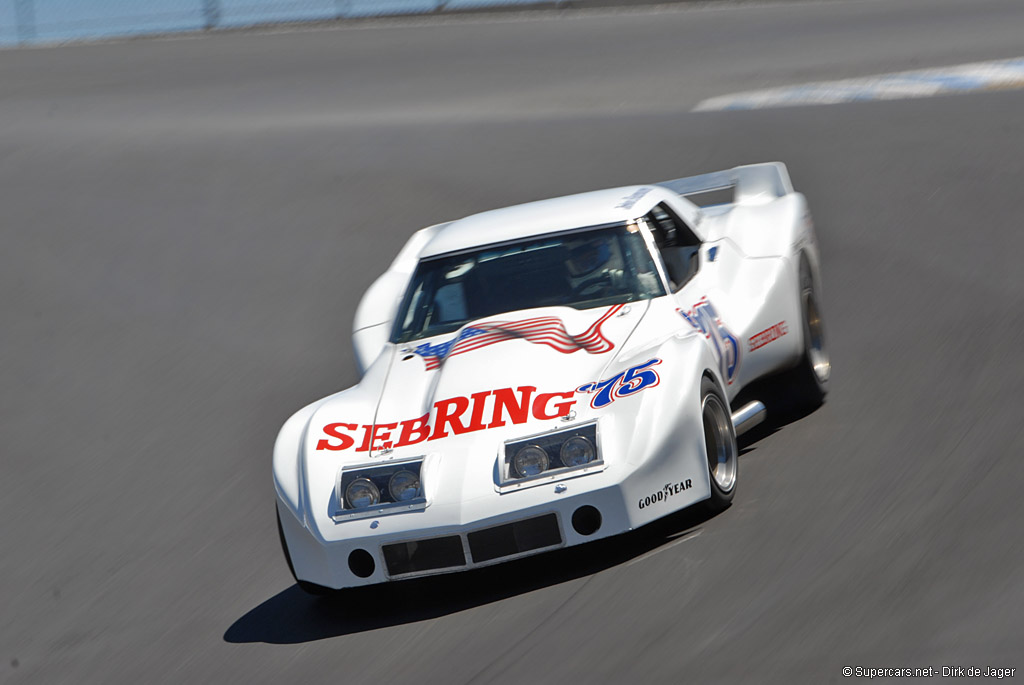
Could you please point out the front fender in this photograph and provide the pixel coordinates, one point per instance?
(291, 449)
(287, 459)
(660, 432)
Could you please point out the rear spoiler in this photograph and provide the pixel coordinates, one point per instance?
(751, 184)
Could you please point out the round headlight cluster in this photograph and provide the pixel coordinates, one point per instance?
(404, 486)
(577, 451)
(530, 461)
(361, 493)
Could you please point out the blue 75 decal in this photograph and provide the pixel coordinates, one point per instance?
(623, 384)
(724, 344)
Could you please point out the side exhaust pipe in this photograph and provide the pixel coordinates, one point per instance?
(748, 416)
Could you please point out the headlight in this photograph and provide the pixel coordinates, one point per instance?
(361, 493)
(404, 486)
(545, 457)
(577, 451)
(368, 489)
(530, 461)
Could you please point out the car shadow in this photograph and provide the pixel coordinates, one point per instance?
(291, 616)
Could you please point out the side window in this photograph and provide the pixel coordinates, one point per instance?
(677, 243)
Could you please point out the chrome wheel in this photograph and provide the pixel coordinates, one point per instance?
(814, 329)
(720, 441)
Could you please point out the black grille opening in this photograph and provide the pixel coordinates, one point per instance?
(424, 555)
(514, 538)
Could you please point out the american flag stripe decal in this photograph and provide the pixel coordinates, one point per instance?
(543, 330)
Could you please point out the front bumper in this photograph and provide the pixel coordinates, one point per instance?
(399, 548)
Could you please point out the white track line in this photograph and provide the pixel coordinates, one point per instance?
(996, 75)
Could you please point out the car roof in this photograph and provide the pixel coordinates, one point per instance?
(546, 216)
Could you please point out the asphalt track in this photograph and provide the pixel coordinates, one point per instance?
(187, 226)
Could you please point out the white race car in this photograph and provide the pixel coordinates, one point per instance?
(553, 373)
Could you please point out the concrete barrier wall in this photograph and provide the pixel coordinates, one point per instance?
(45, 21)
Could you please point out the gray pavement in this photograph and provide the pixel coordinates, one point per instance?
(187, 228)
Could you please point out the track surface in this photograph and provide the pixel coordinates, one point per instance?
(188, 225)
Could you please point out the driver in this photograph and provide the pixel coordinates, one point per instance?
(588, 256)
(593, 267)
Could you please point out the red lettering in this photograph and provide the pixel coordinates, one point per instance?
(364, 446)
(759, 340)
(447, 414)
(540, 404)
(476, 419)
(331, 430)
(382, 431)
(414, 431)
(509, 405)
(505, 399)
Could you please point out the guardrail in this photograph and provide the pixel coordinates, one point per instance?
(45, 21)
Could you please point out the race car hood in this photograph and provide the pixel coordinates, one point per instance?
(554, 350)
(450, 383)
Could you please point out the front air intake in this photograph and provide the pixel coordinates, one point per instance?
(514, 538)
(420, 556)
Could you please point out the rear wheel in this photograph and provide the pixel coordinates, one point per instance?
(808, 382)
(720, 444)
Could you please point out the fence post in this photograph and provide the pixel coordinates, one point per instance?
(25, 18)
(211, 14)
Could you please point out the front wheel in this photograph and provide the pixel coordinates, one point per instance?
(720, 444)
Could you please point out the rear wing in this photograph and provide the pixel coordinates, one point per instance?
(750, 184)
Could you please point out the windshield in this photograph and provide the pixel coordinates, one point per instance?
(582, 269)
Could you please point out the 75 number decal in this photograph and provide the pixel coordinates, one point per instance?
(623, 384)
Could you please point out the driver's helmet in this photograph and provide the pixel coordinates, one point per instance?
(588, 256)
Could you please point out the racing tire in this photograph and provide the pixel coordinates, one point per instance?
(720, 445)
(808, 381)
(306, 586)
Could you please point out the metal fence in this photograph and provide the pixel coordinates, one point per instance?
(43, 21)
